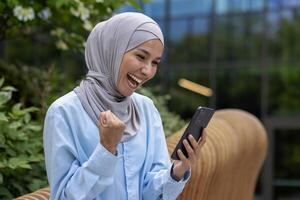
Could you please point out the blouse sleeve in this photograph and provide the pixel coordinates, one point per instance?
(68, 178)
(159, 183)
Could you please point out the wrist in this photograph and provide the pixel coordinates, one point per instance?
(109, 147)
(175, 175)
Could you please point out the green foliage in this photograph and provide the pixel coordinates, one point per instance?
(171, 121)
(287, 160)
(285, 84)
(291, 83)
(68, 21)
(52, 36)
(36, 86)
(231, 43)
(287, 38)
(237, 42)
(20, 147)
(239, 89)
(189, 49)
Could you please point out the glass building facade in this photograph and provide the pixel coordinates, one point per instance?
(247, 52)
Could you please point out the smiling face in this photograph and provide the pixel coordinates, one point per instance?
(138, 66)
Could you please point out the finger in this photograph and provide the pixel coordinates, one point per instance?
(204, 132)
(115, 119)
(113, 116)
(195, 146)
(190, 151)
(182, 157)
(200, 144)
(202, 140)
(109, 117)
(122, 125)
(203, 136)
(193, 141)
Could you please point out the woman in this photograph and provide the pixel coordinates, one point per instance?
(102, 140)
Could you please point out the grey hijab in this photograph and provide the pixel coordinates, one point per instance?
(107, 43)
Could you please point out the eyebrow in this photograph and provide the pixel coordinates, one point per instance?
(146, 52)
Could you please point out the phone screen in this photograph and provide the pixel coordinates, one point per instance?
(198, 122)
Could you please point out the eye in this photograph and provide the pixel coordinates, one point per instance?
(155, 63)
(141, 57)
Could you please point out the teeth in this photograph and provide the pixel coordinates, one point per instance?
(135, 78)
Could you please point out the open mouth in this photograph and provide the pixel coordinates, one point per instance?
(134, 82)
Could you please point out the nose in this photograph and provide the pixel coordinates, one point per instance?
(146, 69)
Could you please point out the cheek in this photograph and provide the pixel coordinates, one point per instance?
(131, 65)
(153, 72)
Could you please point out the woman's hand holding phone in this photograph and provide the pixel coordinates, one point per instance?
(193, 149)
(188, 148)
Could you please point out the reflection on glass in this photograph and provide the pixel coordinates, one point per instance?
(273, 22)
(190, 7)
(161, 23)
(273, 4)
(257, 5)
(221, 6)
(287, 14)
(156, 9)
(200, 26)
(226, 6)
(239, 5)
(256, 23)
(291, 2)
(178, 28)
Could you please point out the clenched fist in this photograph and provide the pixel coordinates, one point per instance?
(111, 130)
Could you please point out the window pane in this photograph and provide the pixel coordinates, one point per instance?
(178, 28)
(291, 2)
(190, 7)
(273, 20)
(274, 4)
(257, 4)
(221, 6)
(200, 26)
(230, 39)
(225, 6)
(156, 9)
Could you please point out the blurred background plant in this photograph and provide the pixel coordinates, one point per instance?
(21, 151)
(239, 63)
(42, 42)
(172, 121)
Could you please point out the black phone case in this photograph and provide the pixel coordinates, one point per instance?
(198, 122)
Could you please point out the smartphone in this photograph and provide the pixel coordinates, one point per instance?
(198, 122)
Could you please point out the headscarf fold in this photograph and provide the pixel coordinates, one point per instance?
(107, 43)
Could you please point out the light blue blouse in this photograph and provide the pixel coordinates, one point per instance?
(79, 167)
